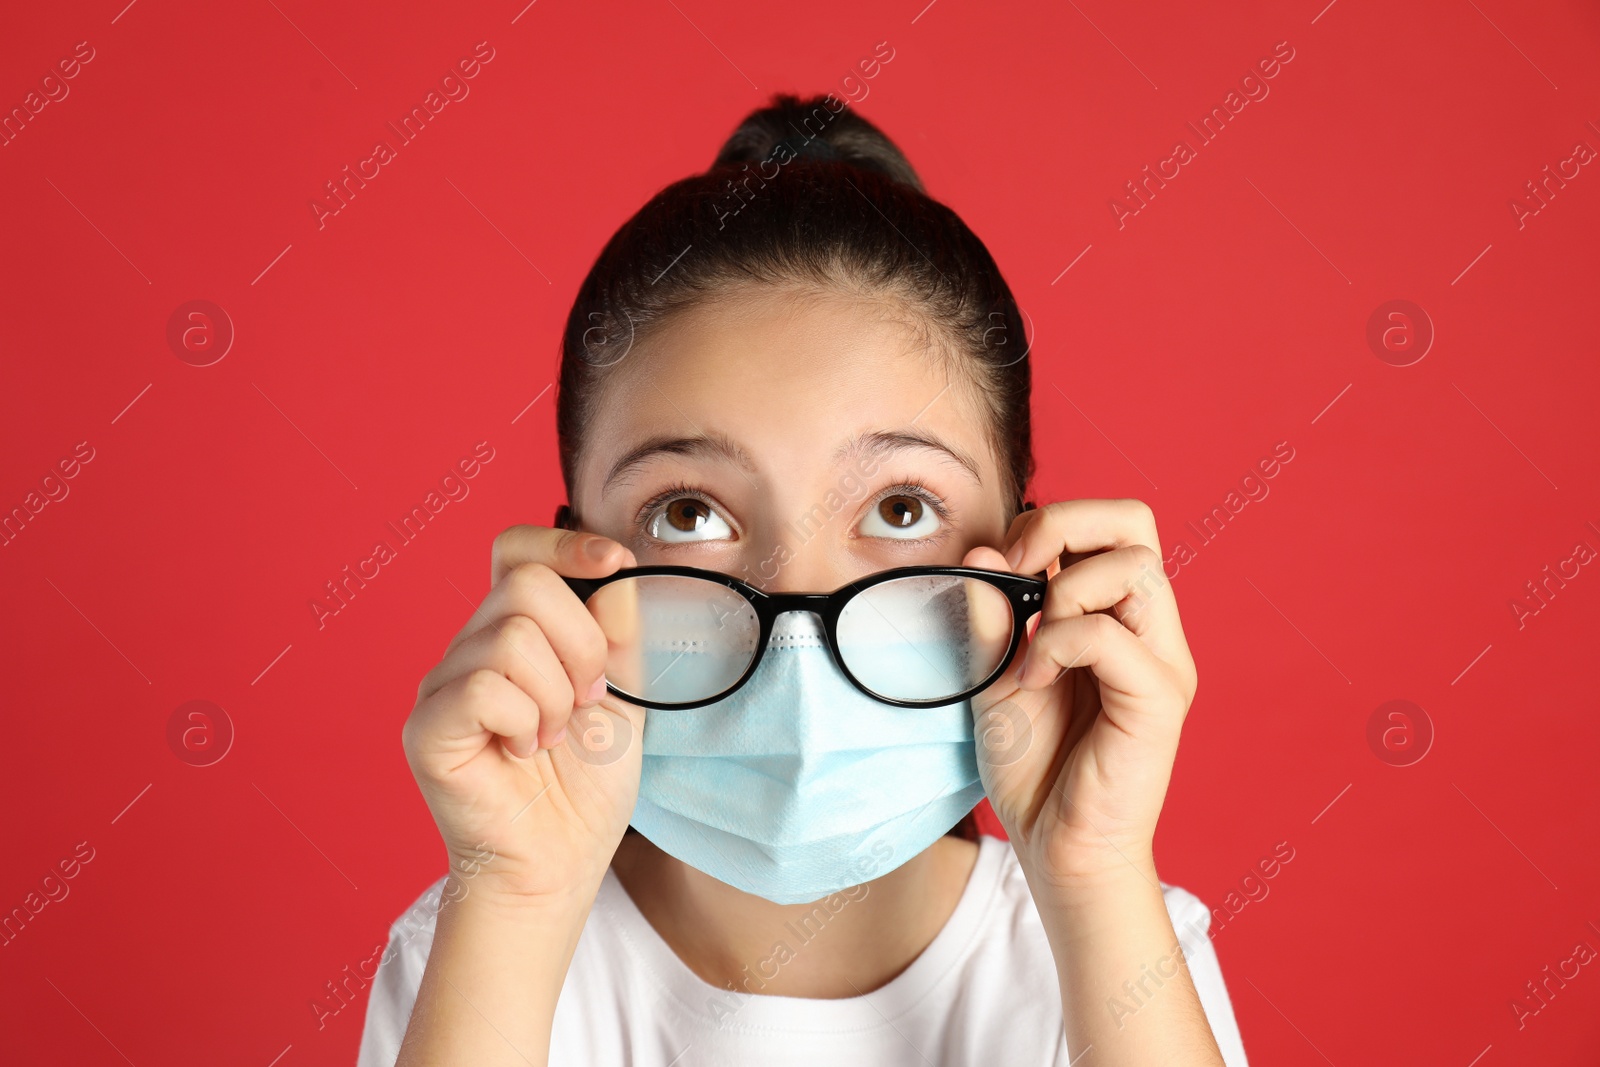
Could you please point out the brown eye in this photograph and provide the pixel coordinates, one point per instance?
(903, 517)
(687, 514)
(687, 518)
(900, 511)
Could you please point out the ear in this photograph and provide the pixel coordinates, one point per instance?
(563, 519)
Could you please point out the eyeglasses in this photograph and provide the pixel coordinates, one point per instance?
(914, 637)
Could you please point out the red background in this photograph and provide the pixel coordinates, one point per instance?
(1228, 315)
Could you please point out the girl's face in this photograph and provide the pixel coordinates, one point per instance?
(793, 441)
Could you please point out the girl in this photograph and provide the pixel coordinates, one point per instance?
(797, 373)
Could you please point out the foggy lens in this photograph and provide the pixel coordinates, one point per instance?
(672, 638)
(926, 637)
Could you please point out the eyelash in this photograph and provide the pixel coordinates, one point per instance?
(921, 492)
(905, 488)
(671, 492)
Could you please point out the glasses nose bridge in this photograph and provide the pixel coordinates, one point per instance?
(818, 605)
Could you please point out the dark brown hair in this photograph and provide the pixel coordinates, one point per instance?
(805, 193)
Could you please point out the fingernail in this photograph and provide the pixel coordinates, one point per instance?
(596, 548)
(1022, 668)
(596, 691)
(1014, 555)
(560, 736)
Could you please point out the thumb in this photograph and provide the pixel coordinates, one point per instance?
(989, 559)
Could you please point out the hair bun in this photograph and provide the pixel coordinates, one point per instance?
(794, 129)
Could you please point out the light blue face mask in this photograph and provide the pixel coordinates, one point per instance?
(799, 785)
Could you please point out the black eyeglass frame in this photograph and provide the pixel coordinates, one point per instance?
(1024, 594)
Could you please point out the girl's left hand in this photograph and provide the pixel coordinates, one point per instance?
(1076, 740)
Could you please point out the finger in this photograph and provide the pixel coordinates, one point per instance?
(991, 560)
(515, 647)
(464, 717)
(1023, 520)
(1126, 580)
(1075, 531)
(1119, 660)
(1080, 526)
(571, 552)
(986, 558)
(536, 591)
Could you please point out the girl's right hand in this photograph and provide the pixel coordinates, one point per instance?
(530, 768)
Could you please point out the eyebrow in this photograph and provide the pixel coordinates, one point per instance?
(718, 446)
(708, 446)
(883, 442)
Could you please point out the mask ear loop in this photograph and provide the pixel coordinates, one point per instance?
(564, 518)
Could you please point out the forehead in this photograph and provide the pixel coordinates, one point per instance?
(789, 375)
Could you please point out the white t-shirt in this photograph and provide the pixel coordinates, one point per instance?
(983, 991)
